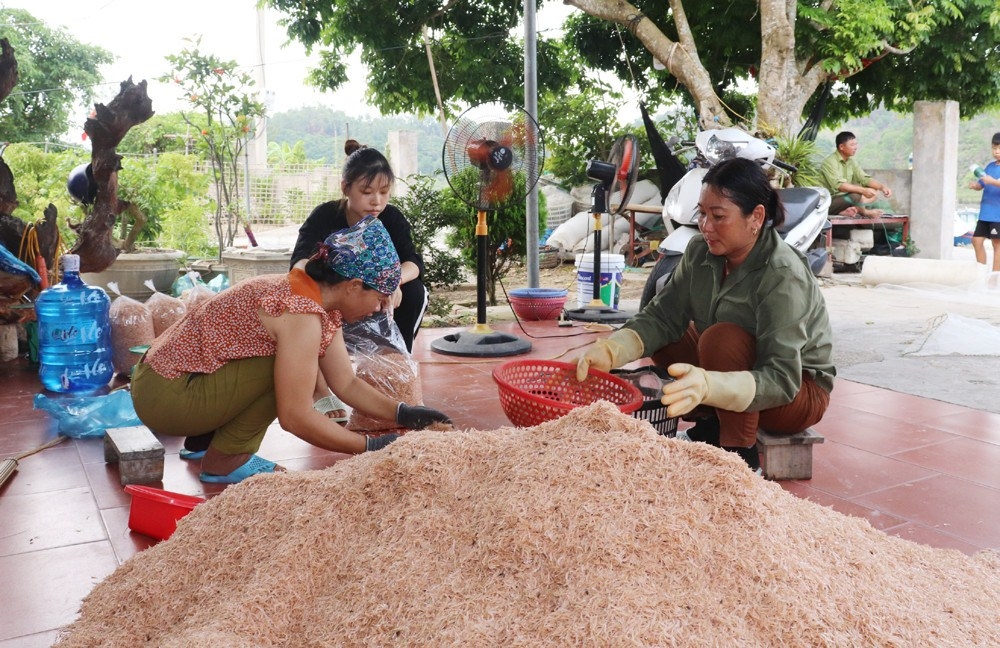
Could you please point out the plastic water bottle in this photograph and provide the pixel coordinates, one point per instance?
(977, 171)
(74, 333)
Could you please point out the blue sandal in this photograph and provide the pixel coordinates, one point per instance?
(190, 455)
(254, 466)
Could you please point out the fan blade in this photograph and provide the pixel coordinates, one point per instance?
(625, 169)
(478, 152)
(499, 187)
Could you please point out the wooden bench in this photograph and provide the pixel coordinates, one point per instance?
(137, 452)
(787, 456)
(854, 221)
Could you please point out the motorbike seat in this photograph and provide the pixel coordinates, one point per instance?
(799, 202)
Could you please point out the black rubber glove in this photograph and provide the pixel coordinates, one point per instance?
(417, 417)
(379, 442)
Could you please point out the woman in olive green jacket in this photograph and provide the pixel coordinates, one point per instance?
(741, 326)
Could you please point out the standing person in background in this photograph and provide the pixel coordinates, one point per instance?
(366, 183)
(988, 225)
(854, 192)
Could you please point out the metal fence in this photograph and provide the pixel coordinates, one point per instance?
(284, 195)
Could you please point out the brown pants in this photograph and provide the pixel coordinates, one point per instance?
(727, 347)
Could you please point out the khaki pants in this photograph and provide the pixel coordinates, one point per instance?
(727, 347)
(237, 403)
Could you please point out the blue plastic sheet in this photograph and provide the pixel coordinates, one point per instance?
(85, 417)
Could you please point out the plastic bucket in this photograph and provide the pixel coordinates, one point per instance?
(612, 269)
(155, 512)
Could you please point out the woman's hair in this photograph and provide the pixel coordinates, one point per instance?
(745, 183)
(320, 272)
(364, 164)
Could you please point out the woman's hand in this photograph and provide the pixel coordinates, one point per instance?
(397, 297)
(417, 417)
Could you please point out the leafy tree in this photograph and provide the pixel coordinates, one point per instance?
(474, 56)
(222, 94)
(57, 75)
(282, 155)
(873, 52)
(163, 134)
(429, 214)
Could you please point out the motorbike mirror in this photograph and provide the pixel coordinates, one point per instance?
(602, 171)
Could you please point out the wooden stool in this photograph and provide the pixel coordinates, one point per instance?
(787, 456)
(137, 452)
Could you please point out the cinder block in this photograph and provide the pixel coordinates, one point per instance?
(137, 452)
(787, 456)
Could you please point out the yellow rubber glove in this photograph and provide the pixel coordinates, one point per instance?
(732, 391)
(620, 348)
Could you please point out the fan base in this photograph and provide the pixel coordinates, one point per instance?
(480, 345)
(603, 314)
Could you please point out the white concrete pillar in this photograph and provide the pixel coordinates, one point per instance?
(935, 167)
(402, 156)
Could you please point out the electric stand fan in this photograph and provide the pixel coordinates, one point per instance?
(619, 175)
(492, 156)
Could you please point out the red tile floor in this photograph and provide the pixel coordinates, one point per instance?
(916, 468)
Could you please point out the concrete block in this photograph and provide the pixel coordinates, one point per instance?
(138, 453)
(787, 456)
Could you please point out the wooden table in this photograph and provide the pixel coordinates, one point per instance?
(851, 221)
(637, 250)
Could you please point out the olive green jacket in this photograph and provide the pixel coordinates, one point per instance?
(772, 295)
(835, 171)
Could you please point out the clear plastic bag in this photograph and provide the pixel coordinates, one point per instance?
(85, 417)
(164, 309)
(131, 327)
(382, 361)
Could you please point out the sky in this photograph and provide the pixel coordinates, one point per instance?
(142, 32)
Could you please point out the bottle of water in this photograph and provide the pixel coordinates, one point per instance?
(977, 171)
(74, 333)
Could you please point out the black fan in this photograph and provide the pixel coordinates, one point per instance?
(492, 156)
(617, 175)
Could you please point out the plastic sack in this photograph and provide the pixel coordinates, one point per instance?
(86, 417)
(198, 295)
(219, 282)
(382, 361)
(185, 282)
(131, 326)
(164, 309)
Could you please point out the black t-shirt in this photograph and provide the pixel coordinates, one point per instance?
(330, 217)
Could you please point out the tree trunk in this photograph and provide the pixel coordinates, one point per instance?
(679, 58)
(106, 129)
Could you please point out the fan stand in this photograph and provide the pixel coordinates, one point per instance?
(597, 310)
(481, 341)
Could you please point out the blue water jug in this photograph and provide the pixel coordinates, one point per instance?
(74, 333)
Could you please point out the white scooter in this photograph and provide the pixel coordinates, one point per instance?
(806, 208)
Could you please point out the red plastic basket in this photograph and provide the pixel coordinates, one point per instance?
(154, 512)
(535, 391)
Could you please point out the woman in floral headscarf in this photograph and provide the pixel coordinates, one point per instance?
(222, 374)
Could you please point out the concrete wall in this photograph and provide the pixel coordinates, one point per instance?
(402, 154)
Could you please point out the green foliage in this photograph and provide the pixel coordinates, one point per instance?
(425, 208)
(282, 155)
(172, 195)
(57, 77)
(40, 179)
(506, 227)
(881, 52)
(169, 133)
(802, 154)
(222, 94)
(475, 58)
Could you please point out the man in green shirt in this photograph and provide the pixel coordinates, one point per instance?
(854, 192)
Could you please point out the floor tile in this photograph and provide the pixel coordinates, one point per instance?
(39, 521)
(848, 472)
(947, 504)
(50, 586)
(969, 459)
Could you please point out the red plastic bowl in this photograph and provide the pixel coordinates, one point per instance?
(535, 391)
(155, 512)
(533, 304)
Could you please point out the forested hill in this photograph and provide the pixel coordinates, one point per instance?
(886, 138)
(323, 132)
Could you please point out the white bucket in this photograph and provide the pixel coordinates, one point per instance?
(612, 269)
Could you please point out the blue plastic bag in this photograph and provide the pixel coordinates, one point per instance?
(87, 417)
